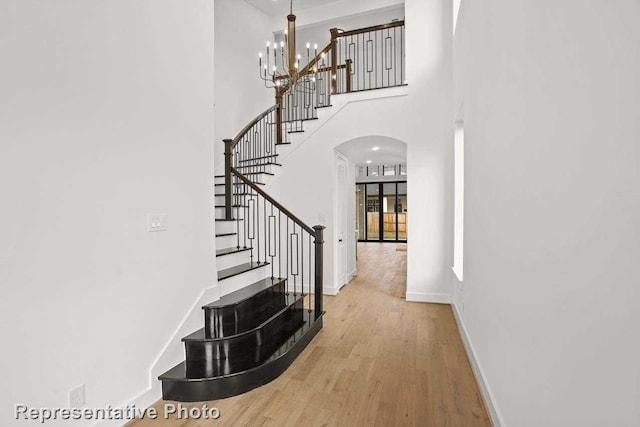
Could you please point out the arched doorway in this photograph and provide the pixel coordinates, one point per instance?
(371, 200)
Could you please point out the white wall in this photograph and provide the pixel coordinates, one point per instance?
(339, 9)
(552, 223)
(241, 32)
(106, 114)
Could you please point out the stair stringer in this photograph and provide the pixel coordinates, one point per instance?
(325, 116)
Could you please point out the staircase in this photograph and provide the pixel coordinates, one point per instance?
(270, 263)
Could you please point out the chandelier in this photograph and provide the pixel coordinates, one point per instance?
(281, 66)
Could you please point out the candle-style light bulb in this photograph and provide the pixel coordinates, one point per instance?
(281, 44)
(308, 45)
(315, 46)
(275, 46)
(268, 43)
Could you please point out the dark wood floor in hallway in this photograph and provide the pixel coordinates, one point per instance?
(379, 361)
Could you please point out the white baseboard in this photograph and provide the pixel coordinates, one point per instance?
(494, 413)
(352, 275)
(331, 290)
(432, 298)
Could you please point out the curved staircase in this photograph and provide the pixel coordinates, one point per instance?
(270, 263)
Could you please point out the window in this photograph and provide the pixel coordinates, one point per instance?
(458, 210)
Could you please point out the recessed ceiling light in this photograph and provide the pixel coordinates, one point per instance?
(368, 161)
(375, 148)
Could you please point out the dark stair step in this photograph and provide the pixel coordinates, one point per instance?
(221, 184)
(248, 173)
(234, 194)
(226, 234)
(283, 143)
(213, 357)
(257, 165)
(244, 316)
(304, 119)
(233, 206)
(239, 269)
(243, 376)
(270, 156)
(230, 251)
(229, 220)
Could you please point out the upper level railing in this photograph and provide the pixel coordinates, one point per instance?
(355, 60)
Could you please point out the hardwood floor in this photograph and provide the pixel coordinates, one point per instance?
(379, 361)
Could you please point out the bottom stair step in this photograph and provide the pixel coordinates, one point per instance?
(209, 357)
(178, 386)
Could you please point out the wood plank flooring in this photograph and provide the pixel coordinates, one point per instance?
(378, 361)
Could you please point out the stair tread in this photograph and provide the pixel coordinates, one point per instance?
(245, 293)
(230, 251)
(239, 269)
(249, 173)
(273, 307)
(257, 165)
(233, 206)
(241, 183)
(229, 220)
(179, 372)
(226, 234)
(259, 158)
(235, 194)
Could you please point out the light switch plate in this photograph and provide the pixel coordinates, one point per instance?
(157, 222)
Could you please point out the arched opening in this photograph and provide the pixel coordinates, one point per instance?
(371, 200)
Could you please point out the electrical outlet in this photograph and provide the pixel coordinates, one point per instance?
(77, 397)
(157, 222)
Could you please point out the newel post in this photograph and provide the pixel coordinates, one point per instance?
(319, 266)
(334, 60)
(228, 192)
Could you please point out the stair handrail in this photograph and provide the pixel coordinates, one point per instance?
(251, 124)
(273, 201)
(229, 145)
(316, 231)
(372, 28)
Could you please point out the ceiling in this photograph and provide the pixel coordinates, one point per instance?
(359, 150)
(281, 7)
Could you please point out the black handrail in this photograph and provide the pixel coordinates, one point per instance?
(271, 200)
